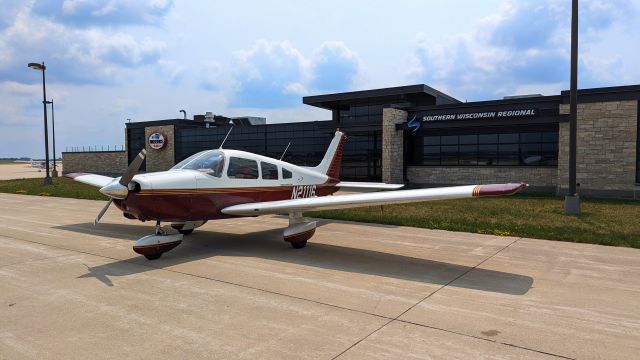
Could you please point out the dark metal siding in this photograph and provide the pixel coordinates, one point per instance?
(638, 145)
(135, 143)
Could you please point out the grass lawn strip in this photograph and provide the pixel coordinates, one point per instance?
(62, 187)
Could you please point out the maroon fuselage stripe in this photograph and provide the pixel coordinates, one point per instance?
(202, 204)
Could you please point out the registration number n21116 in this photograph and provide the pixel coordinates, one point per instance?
(303, 191)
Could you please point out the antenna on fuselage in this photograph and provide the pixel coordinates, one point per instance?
(285, 150)
(225, 138)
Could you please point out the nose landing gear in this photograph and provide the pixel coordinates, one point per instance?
(153, 246)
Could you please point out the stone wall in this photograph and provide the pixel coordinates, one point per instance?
(606, 149)
(392, 146)
(162, 159)
(541, 179)
(110, 163)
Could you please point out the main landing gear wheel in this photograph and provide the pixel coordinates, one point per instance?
(186, 232)
(299, 244)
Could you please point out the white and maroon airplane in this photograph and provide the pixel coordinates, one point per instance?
(217, 184)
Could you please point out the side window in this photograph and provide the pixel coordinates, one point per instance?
(286, 174)
(269, 171)
(240, 168)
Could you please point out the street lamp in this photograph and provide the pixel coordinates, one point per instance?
(36, 66)
(54, 173)
(572, 199)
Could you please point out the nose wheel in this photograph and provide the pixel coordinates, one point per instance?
(153, 246)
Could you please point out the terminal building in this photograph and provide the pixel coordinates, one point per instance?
(422, 137)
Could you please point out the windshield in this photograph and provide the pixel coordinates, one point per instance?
(211, 162)
(187, 160)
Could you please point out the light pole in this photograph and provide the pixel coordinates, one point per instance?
(41, 67)
(572, 199)
(54, 173)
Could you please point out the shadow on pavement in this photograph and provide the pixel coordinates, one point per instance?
(269, 245)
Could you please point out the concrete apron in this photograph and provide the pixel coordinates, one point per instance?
(235, 289)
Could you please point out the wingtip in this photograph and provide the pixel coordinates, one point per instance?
(499, 189)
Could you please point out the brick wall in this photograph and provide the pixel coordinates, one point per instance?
(110, 163)
(606, 157)
(162, 159)
(541, 179)
(392, 146)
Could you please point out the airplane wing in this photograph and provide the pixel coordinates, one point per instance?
(90, 179)
(368, 185)
(371, 199)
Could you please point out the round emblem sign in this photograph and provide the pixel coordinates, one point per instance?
(157, 141)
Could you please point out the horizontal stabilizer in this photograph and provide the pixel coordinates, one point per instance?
(90, 179)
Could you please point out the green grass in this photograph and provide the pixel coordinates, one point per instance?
(605, 222)
(62, 187)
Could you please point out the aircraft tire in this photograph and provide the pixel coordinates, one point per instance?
(186, 232)
(299, 244)
(153, 256)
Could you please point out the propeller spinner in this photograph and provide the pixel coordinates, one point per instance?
(120, 189)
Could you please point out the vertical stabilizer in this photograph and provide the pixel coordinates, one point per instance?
(332, 160)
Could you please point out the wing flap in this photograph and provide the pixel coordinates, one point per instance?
(90, 179)
(368, 185)
(371, 199)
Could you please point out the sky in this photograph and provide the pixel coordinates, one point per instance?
(112, 60)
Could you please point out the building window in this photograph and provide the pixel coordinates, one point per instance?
(499, 149)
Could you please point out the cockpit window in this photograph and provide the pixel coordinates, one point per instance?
(240, 168)
(269, 171)
(211, 162)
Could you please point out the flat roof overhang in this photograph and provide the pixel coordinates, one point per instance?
(418, 94)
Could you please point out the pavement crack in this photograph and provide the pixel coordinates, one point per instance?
(457, 277)
(431, 294)
(33, 260)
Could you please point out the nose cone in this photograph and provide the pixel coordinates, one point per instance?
(115, 190)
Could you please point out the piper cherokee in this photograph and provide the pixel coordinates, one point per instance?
(223, 183)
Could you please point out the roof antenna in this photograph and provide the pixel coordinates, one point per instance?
(225, 138)
(285, 150)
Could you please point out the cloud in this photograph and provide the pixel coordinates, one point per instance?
(527, 42)
(275, 74)
(333, 67)
(96, 13)
(9, 12)
(171, 71)
(72, 55)
(268, 75)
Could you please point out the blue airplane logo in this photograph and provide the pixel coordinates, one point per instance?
(414, 124)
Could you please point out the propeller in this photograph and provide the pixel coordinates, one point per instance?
(120, 189)
(102, 211)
